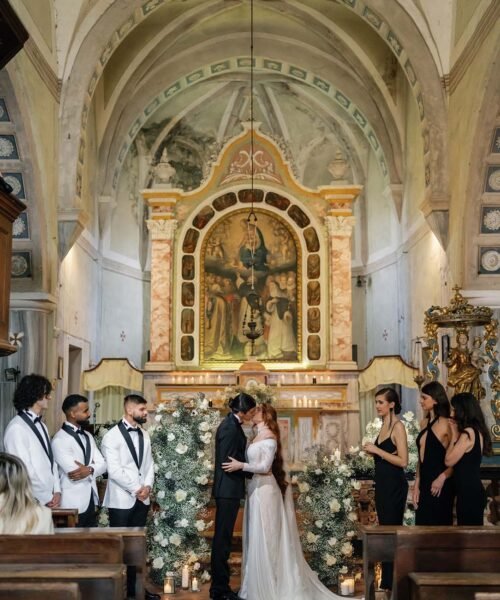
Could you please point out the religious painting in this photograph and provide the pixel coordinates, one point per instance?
(251, 274)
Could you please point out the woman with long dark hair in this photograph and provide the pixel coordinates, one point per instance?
(390, 452)
(274, 567)
(433, 490)
(470, 440)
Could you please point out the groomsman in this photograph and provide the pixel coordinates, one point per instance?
(79, 461)
(27, 438)
(127, 450)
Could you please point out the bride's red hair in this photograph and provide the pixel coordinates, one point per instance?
(270, 417)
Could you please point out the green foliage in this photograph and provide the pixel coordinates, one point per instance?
(181, 441)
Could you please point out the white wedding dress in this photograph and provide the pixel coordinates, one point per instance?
(274, 567)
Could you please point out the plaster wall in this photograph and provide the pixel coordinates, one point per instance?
(465, 114)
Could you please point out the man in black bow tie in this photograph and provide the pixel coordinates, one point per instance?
(27, 438)
(79, 461)
(127, 450)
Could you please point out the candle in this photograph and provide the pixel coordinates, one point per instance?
(185, 577)
(282, 379)
(279, 383)
(304, 401)
(194, 585)
(169, 584)
(219, 379)
(347, 587)
(316, 403)
(294, 401)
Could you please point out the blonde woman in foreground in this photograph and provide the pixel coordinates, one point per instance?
(20, 513)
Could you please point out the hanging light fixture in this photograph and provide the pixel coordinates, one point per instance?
(252, 320)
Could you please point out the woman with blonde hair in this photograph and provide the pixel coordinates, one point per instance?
(274, 567)
(20, 512)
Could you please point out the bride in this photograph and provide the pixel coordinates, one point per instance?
(274, 567)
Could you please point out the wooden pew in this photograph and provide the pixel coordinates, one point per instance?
(96, 582)
(485, 596)
(459, 586)
(443, 549)
(65, 517)
(39, 591)
(379, 545)
(86, 548)
(134, 548)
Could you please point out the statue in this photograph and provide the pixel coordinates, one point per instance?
(164, 171)
(463, 376)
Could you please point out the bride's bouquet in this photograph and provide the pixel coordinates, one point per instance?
(327, 514)
(181, 440)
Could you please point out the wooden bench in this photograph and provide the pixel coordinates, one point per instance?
(96, 582)
(86, 548)
(443, 550)
(486, 596)
(134, 548)
(65, 517)
(39, 591)
(459, 586)
(379, 545)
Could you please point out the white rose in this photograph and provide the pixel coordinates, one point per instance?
(181, 448)
(175, 539)
(318, 471)
(164, 543)
(180, 495)
(203, 480)
(157, 418)
(356, 485)
(206, 437)
(311, 538)
(308, 499)
(350, 534)
(347, 503)
(176, 414)
(303, 487)
(170, 437)
(343, 570)
(334, 505)
(319, 524)
(294, 479)
(330, 559)
(160, 407)
(200, 454)
(205, 576)
(346, 548)
(168, 475)
(352, 516)
(408, 416)
(160, 495)
(158, 563)
(182, 523)
(339, 481)
(200, 525)
(207, 464)
(204, 426)
(332, 541)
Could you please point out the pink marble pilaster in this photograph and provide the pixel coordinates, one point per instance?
(162, 265)
(339, 234)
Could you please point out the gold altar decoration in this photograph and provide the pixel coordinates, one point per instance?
(466, 362)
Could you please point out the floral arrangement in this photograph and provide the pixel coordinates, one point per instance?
(181, 440)
(362, 463)
(261, 392)
(328, 514)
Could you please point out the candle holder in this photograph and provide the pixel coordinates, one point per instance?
(195, 584)
(346, 584)
(169, 583)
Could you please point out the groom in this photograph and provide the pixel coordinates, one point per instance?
(228, 490)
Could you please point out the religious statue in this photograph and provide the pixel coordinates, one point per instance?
(164, 171)
(463, 375)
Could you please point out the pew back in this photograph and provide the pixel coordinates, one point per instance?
(94, 548)
(444, 549)
(39, 591)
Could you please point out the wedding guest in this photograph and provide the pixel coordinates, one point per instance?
(20, 512)
(470, 440)
(79, 461)
(390, 452)
(27, 438)
(433, 490)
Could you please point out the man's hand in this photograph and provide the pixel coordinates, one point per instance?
(143, 493)
(56, 501)
(80, 473)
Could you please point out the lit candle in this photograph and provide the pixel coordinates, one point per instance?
(219, 379)
(300, 403)
(294, 401)
(304, 401)
(169, 584)
(185, 577)
(194, 585)
(347, 587)
(282, 379)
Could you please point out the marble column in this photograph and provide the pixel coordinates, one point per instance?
(162, 266)
(340, 326)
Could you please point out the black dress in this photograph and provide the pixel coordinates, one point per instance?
(391, 492)
(433, 510)
(471, 496)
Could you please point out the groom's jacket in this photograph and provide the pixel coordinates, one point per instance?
(230, 440)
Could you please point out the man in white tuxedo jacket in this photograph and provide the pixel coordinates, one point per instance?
(79, 461)
(27, 438)
(127, 450)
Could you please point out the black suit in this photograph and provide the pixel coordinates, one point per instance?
(228, 490)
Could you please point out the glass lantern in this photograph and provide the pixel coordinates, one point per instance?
(346, 584)
(169, 583)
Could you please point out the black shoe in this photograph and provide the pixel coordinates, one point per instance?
(226, 596)
(151, 596)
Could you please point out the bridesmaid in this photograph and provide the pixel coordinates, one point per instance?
(390, 452)
(470, 440)
(433, 490)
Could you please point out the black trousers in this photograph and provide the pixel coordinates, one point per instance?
(225, 518)
(88, 518)
(129, 517)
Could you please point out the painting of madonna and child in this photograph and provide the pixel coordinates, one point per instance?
(238, 251)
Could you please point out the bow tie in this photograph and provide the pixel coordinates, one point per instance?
(80, 431)
(37, 420)
(129, 429)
